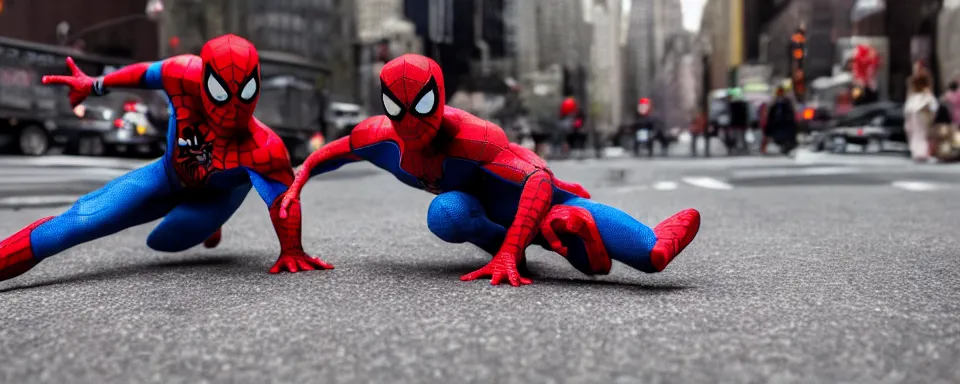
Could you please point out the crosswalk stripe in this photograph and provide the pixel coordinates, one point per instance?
(790, 171)
(665, 186)
(632, 188)
(707, 182)
(917, 186)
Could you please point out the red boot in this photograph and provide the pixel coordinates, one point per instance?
(213, 240)
(16, 252)
(673, 235)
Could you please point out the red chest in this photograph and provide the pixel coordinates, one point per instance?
(428, 168)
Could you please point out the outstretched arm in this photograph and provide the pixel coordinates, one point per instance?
(140, 75)
(329, 157)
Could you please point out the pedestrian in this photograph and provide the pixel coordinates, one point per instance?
(780, 124)
(919, 112)
(739, 122)
(647, 130)
(698, 132)
(577, 136)
(564, 126)
(762, 113)
(951, 100)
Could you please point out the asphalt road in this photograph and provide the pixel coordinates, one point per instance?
(817, 269)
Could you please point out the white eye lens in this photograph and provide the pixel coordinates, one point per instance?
(392, 108)
(425, 105)
(217, 92)
(249, 90)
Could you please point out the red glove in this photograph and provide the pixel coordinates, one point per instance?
(80, 84)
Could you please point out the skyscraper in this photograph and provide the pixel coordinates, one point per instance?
(651, 24)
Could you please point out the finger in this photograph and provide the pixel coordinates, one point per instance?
(514, 279)
(73, 67)
(320, 263)
(75, 99)
(305, 265)
(292, 266)
(473, 275)
(53, 79)
(495, 280)
(283, 207)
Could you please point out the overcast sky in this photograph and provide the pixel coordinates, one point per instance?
(692, 10)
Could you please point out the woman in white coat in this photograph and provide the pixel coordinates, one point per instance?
(919, 111)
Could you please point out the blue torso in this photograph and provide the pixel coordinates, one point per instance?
(500, 197)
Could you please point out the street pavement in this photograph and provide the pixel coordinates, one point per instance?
(818, 268)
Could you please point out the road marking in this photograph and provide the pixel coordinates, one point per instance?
(917, 186)
(791, 171)
(27, 201)
(72, 161)
(632, 188)
(665, 186)
(707, 182)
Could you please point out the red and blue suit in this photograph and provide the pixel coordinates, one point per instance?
(216, 153)
(489, 192)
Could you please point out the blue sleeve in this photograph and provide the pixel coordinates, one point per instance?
(268, 189)
(153, 78)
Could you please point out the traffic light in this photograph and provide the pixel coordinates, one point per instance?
(798, 48)
(798, 52)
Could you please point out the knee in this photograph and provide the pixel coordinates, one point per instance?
(449, 216)
(161, 241)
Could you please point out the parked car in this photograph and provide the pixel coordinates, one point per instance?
(876, 124)
(118, 123)
(341, 118)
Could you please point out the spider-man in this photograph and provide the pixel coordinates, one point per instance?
(490, 192)
(216, 151)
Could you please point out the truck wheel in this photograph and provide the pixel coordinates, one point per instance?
(33, 141)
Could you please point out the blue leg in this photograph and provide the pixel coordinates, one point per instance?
(457, 217)
(625, 239)
(196, 219)
(141, 196)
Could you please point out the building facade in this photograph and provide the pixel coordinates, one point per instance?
(605, 88)
(116, 28)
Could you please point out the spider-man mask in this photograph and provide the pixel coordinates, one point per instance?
(231, 81)
(413, 98)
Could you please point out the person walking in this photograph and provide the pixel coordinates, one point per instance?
(647, 130)
(919, 112)
(780, 124)
(698, 131)
(951, 100)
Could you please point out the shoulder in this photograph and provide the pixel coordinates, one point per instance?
(371, 131)
(270, 154)
(264, 137)
(472, 137)
(181, 74)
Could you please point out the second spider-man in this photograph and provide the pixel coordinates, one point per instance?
(490, 192)
(216, 152)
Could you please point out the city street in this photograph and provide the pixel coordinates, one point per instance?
(819, 268)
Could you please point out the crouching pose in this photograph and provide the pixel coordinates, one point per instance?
(216, 152)
(490, 192)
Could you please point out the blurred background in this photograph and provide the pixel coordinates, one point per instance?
(566, 77)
